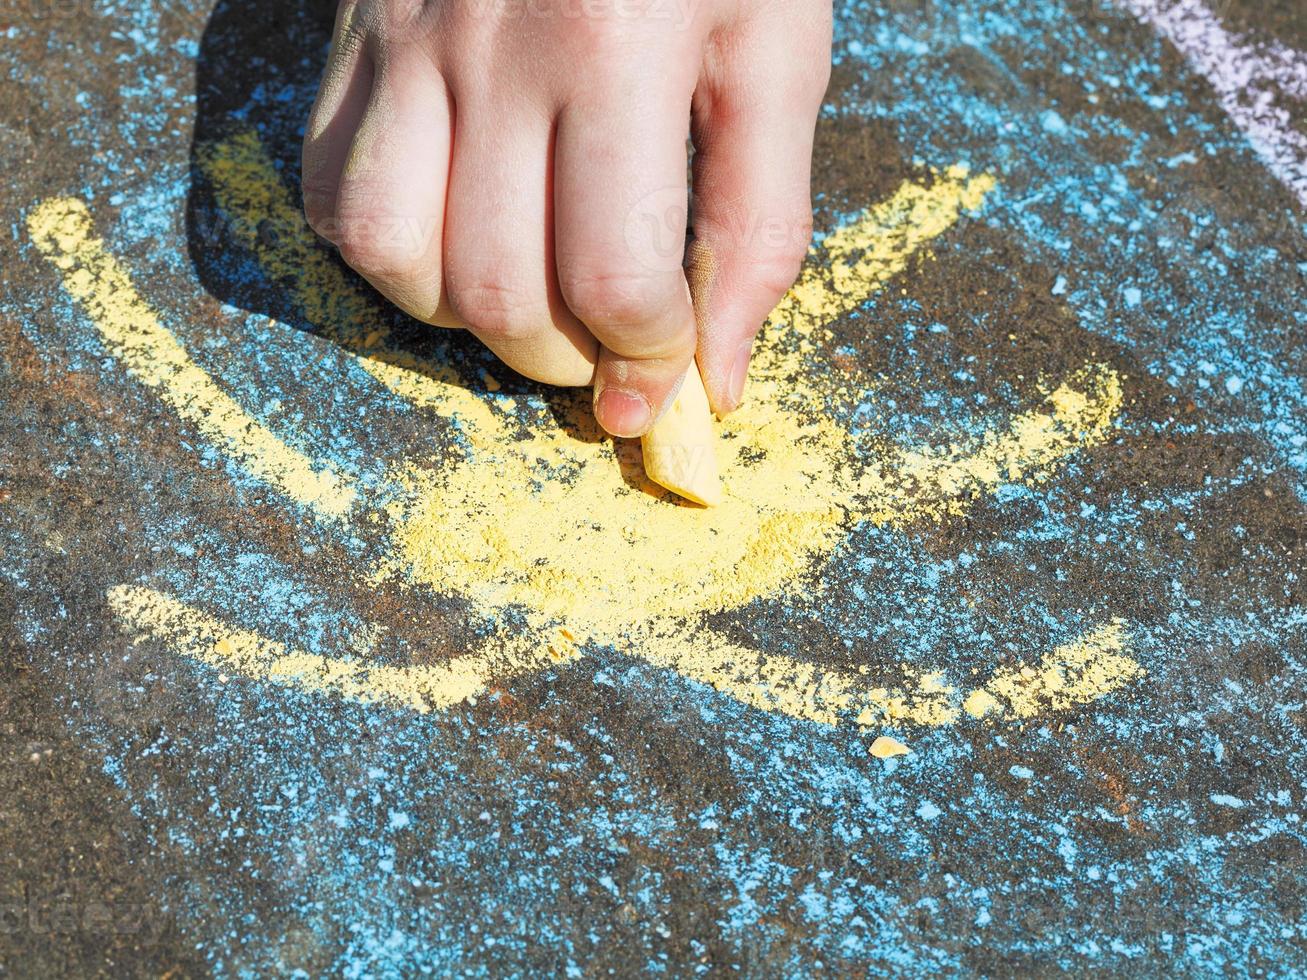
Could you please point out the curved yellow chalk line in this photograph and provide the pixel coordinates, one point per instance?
(252, 196)
(63, 231)
(875, 247)
(797, 688)
(907, 485)
(196, 634)
(1074, 674)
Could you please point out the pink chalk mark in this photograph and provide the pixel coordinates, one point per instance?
(1252, 79)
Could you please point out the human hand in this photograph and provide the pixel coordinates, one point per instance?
(518, 168)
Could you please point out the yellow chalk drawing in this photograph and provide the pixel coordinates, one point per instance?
(555, 520)
(878, 245)
(794, 687)
(1071, 675)
(1077, 672)
(62, 229)
(918, 483)
(194, 633)
(1080, 672)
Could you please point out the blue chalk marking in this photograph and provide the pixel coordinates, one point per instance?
(291, 777)
(1053, 123)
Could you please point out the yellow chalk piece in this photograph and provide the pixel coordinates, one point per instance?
(193, 633)
(887, 748)
(680, 451)
(63, 231)
(1075, 673)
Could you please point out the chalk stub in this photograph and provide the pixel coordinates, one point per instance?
(886, 748)
(680, 451)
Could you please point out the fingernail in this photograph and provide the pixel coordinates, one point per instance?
(739, 373)
(623, 413)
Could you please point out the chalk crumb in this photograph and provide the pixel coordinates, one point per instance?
(886, 748)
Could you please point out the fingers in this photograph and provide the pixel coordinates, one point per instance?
(752, 204)
(499, 259)
(390, 202)
(565, 258)
(342, 98)
(620, 233)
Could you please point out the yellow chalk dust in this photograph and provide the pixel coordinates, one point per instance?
(980, 703)
(1078, 672)
(194, 633)
(63, 231)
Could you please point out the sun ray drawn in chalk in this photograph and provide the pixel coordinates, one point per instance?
(1076, 673)
(62, 230)
(562, 529)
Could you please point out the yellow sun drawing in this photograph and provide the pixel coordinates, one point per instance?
(557, 522)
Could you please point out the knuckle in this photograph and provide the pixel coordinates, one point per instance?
(352, 39)
(775, 266)
(381, 242)
(403, 14)
(319, 210)
(318, 217)
(380, 259)
(614, 299)
(385, 20)
(495, 308)
(776, 271)
(596, 29)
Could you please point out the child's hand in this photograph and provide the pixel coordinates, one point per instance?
(518, 168)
